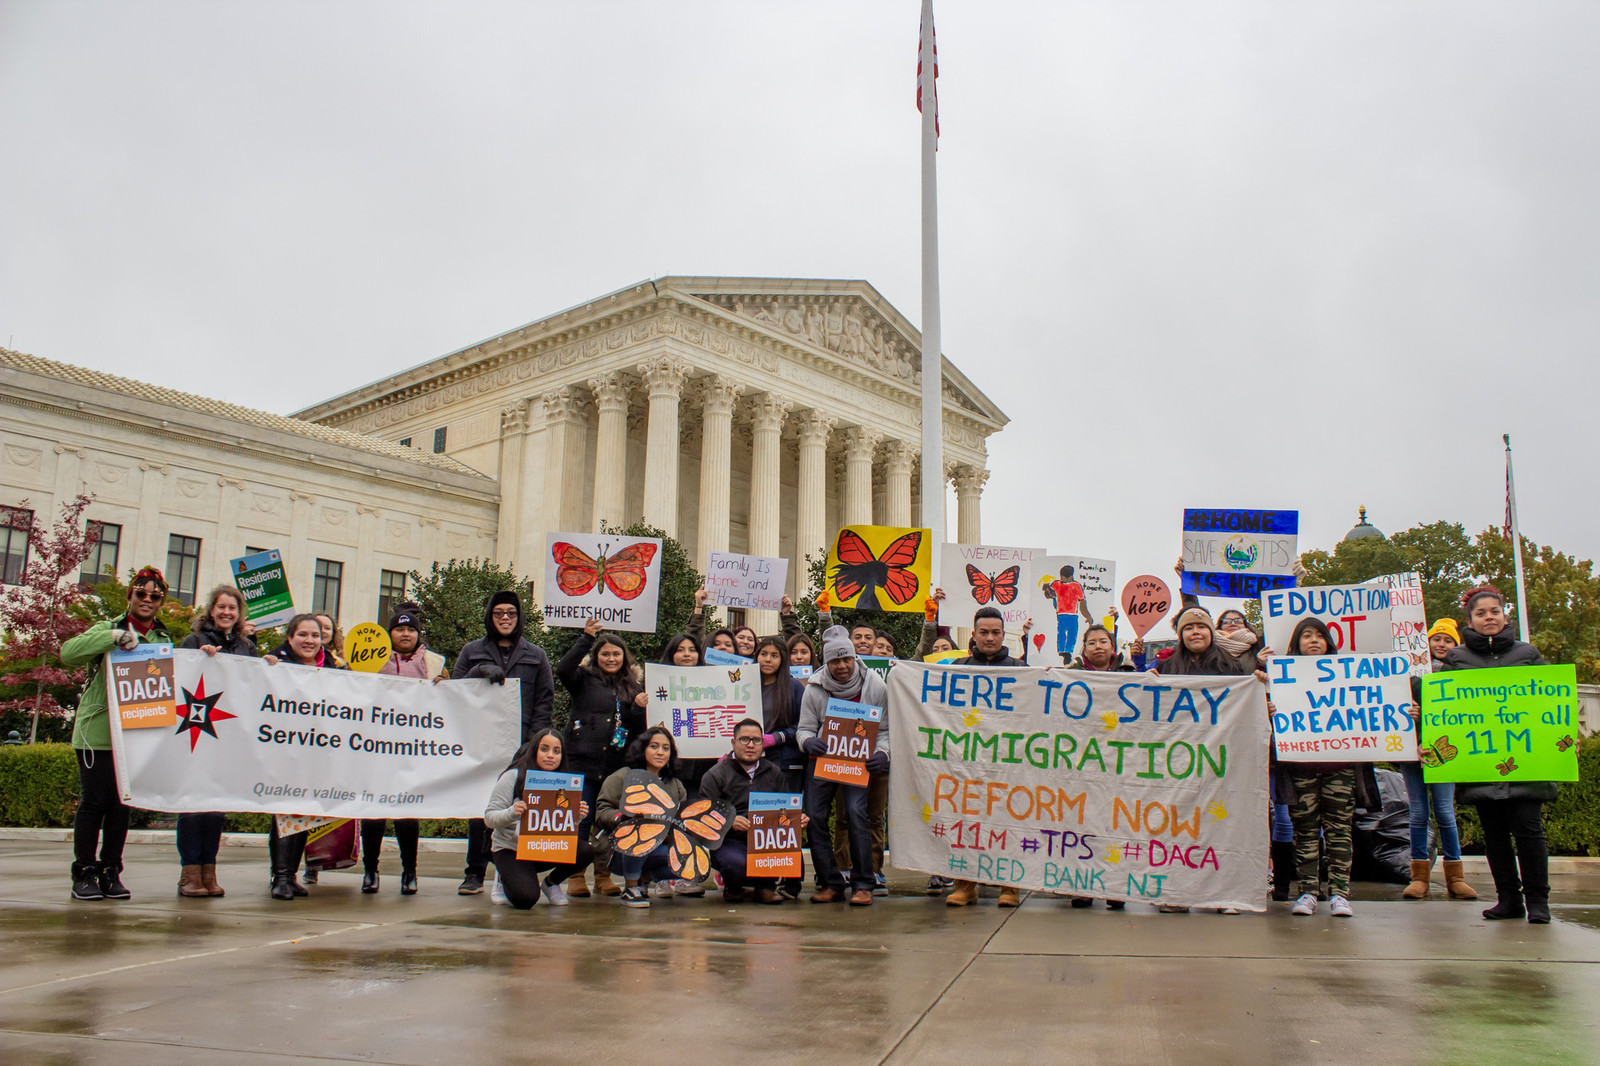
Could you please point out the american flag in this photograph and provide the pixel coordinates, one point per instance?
(935, 79)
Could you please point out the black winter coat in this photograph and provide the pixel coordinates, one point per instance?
(598, 707)
(786, 752)
(235, 643)
(1478, 652)
(728, 781)
(524, 661)
(1004, 658)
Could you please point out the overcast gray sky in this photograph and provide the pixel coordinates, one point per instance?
(1306, 255)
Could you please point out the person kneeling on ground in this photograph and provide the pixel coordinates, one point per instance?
(733, 780)
(519, 878)
(656, 751)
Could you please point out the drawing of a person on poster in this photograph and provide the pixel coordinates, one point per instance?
(1070, 603)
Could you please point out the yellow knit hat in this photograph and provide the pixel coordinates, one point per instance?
(1448, 627)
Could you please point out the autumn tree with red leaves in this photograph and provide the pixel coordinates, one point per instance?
(37, 616)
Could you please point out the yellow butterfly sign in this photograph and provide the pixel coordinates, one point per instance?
(880, 568)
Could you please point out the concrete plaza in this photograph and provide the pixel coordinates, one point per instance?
(441, 978)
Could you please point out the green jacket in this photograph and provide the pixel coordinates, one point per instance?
(91, 726)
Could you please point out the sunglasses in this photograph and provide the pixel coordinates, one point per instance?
(151, 597)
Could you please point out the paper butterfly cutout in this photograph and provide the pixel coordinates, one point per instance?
(650, 814)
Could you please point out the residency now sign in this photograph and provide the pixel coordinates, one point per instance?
(284, 739)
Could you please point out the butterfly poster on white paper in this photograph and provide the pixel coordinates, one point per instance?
(613, 578)
(982, 575)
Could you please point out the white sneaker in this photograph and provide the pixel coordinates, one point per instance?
(661, 889)
(1306, 904)
(556, 894)
(497, 894)
(681, 887)
(1228, 910)
(1339, 907)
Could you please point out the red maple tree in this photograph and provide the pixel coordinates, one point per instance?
(37, 615)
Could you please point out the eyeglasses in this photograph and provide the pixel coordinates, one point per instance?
(747, 740)
(508, 613)
(152, 597)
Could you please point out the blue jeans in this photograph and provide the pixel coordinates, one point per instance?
(199, 835)
(634, 866)
(1282, 824)
(819, 805)
(731, 861)
(1419, 794)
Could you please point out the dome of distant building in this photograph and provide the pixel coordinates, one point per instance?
(1363, 529)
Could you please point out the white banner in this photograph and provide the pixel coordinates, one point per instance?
(607, 576)
(298, 740)
(1357, 616)
(1409, 619)
(700, 705)
(981, 575)
(750, 581)
(1097, 586)
(1342, 708)
(1119, 786)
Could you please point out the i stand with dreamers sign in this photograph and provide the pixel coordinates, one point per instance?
(1120, 786)
(284, 739)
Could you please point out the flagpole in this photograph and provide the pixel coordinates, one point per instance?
(933, 481)
(1516, 545)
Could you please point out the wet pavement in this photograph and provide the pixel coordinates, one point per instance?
(442, 978)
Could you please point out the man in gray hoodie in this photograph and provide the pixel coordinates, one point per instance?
(842, 677)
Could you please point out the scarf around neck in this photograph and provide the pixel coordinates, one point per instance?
(1235, 646)
(849, 689)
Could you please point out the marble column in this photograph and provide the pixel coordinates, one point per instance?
(897, 459)
(766, 427)
(301, 565)
(969, 495)
(513, 432)
(214, 565)
(859, 445)
(811, 499)
(149, 546)
(563, 460)
(611, 450)
(664, 376)
(358, 598)
(716, 465)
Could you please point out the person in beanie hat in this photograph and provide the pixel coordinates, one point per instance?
(102, 818)
(843, 676)
(504, 652)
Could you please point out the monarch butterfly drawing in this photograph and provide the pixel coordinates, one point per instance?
(649, 814)
(1438, 753)
(1001, 587)
(733, 675)
(860, 573)
(1564, 743)
(623, 573)
(1506, 767)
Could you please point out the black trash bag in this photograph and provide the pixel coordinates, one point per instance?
(1382, 841)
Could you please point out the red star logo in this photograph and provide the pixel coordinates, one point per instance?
(200, 713)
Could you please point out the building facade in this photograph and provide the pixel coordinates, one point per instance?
(738, 414)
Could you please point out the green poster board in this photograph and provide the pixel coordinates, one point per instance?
(261, 581)
(1513, 723)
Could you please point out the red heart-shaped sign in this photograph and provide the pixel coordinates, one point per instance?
(1146, 601)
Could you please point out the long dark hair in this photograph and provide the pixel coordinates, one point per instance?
(286, 651)
(670, 648)
(625, 682)
(1299, 629)
(634, 757)
(778, 705)
(1213, 661)
(527, 756)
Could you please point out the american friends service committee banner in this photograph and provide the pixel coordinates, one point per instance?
(1116, 785)
(229, 733)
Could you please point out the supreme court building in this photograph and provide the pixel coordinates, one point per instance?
(738, 414)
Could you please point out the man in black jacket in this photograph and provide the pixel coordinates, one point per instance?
(503, 653)
(988, 649)
(733, 780)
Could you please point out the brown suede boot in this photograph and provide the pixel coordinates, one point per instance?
(208, 877)
(189, 883)
(604, 885)
(965, 894)
(1455, 884)
(1418, 888)
(1010, 897)
(578, 888)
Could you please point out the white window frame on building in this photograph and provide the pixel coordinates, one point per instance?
(329, 580)
(16, 524)
(183, 567)
(388, 597)
(93, 570)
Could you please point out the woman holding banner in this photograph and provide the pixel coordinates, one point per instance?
(608, 702)
(302, 646)
(1510, 810)
(220, 628)
(1440, 795)
(519, 878)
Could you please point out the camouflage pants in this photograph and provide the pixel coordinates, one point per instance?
(1324, 808)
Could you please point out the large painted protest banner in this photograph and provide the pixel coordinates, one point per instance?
(1408, 618)
(1357, 616)
(1236, 554)
(748, 581)
(261, 581)
(1342, 708)
(700, 705)
(1073, 592)
(1121, 786)
(1511, 723)
(285, 739)
(607, 576)
(984, 575)
(880, 568)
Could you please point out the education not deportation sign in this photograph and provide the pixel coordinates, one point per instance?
(1120, 786)
(1235, 554)
(1512, 723)
(284, 739)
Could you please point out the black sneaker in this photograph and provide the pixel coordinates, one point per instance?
(86, 885)
(369, 882)
(111, 886)
(880, 887)
(633, 896)
(311, 877)
(471, 885)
